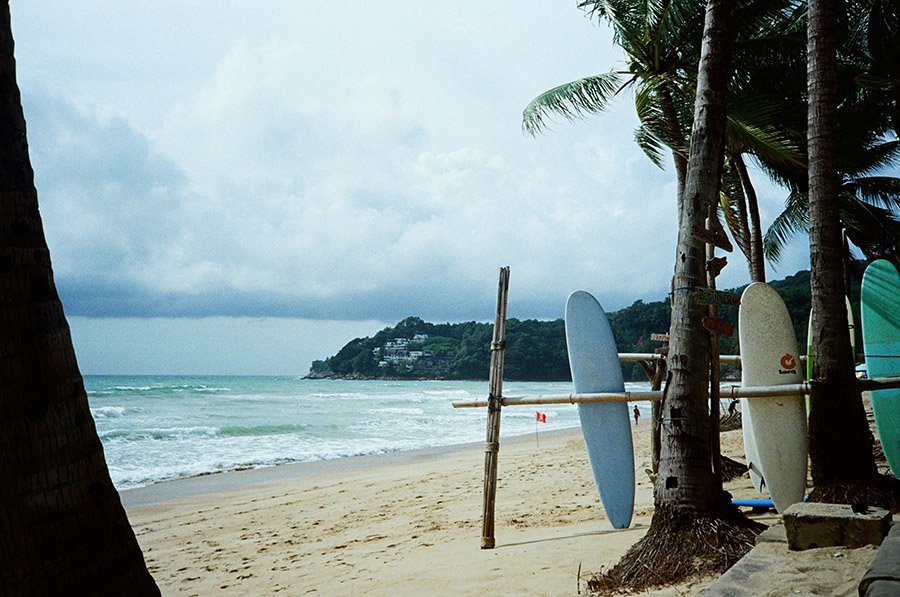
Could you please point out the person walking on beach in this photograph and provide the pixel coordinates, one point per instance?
(637, 415)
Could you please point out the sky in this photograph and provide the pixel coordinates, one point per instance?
(240, 188)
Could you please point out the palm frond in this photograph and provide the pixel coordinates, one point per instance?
(794, 219)
(649, 111)
(680, 26)
(872, 159)
(879, 191)
(651, 145)
(881, 83)
(733, 206)
(876, 231)
(572, 100)
(883, 35)
(765, 129)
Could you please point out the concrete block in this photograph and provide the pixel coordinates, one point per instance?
(773, 534)
(883, 577)
(810, 525)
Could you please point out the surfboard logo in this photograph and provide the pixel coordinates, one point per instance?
(788, 364)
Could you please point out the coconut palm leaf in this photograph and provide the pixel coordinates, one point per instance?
(649, 111)
(657, 34)
(794, 219)
(762, 128)
(879, 191)
(651, 145)
(573, 100)
(876, 231)
(883, 33)
(733, 204)
(872, 159)
(881, 83)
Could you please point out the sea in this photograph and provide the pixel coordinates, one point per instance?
(155, 428)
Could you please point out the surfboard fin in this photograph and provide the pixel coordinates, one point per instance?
(762, 480)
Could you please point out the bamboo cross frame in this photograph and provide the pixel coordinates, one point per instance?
(727, 391)
(494, 402)
(633, 357)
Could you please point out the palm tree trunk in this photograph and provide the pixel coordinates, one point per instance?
(757, 261)
(836, 405)
(686, 480)
(62, 527)
(694, 528)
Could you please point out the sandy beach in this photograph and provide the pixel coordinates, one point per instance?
(406, 523)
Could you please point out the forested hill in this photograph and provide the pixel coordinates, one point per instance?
(535, 350)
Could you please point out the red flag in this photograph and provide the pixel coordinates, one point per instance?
(542, 417)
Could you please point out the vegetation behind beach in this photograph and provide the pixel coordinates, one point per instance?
(535, 350)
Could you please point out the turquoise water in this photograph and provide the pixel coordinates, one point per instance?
(160, 427)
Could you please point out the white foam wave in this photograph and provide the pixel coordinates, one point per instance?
(108, 412)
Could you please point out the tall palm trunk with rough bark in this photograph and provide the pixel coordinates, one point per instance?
(686, 479)
(694, 527)
(62, 527)
(840, 450)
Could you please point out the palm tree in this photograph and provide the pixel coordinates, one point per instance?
(765, 117)
(763, 125)
(877, 23)
(866, 116)
(867, 205)
(839, 468)
(62, 527)
(691, 512)
(661, 40)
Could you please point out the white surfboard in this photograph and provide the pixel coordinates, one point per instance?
(774, 428)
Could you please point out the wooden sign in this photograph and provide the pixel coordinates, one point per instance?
(717, 326)
(659, 337)
(708, 296)
(662, 350)
(712, 237)
(715, 265)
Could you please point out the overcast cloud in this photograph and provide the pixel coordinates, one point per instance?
(313, 162)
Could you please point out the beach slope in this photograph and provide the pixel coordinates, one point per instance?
(408, 523)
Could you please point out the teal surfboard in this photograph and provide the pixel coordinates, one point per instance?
(606, 428)
(880, 313)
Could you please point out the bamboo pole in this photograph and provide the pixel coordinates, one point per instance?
(633, 357)
(878, 383)
(655, 371)
(726, 391)
(494, 402)
(712, 270)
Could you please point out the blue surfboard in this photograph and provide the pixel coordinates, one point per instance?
(606, 427)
